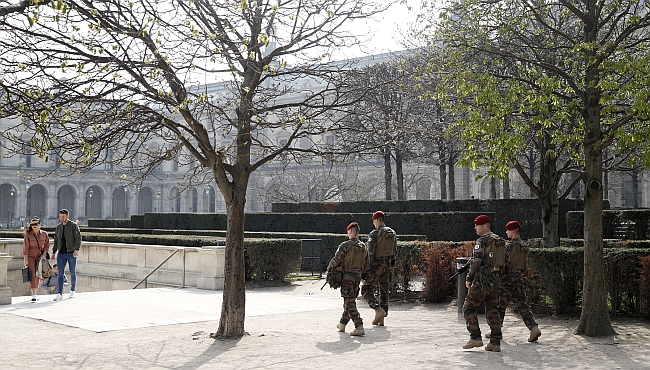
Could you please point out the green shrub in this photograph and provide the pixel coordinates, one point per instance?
(407, 265)
(623, 270)
(644, 285)
(271, 259)
(561, 273)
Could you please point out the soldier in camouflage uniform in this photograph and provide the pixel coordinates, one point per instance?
(352, 259)
(511, 286)
(381, 250)
(482, 283)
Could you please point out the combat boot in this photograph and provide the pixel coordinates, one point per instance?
(494, 347)
(473, 343)
(379, 314)
(341, 327)
(358, 332)
(534, 334)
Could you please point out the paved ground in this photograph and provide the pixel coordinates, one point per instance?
(288, 328)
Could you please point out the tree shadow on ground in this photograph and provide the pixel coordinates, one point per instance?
(218, 347)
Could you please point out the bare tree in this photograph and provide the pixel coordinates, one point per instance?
(312, 183)
(393, 119)
(92, 78)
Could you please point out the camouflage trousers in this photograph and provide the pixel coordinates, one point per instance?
(349, 292)
(512, 289)
(380, 274)
(476, 296)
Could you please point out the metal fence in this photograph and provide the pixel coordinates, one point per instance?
(314, 258)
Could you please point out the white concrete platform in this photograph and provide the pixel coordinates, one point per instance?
(138, 308)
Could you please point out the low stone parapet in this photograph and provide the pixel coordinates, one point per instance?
(114, 266)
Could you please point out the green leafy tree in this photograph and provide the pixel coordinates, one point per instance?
(571, 75)
(98, 82)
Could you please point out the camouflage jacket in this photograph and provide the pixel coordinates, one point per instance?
(343, 249)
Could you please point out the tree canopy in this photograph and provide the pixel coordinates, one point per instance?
(213, 81)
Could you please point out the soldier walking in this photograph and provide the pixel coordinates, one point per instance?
(483, 281)
(511, 285)
(351, 259)
(382, 244)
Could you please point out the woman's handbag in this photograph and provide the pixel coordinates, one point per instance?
(44, 269)
(27, 277)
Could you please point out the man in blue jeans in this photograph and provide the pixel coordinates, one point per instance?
(67, 241)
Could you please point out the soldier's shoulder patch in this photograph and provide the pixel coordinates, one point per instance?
(477, 246)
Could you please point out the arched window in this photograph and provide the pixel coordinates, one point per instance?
(65, 199)
(94, 201)
(145, 200)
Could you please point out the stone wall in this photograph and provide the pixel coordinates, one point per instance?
(114, 266)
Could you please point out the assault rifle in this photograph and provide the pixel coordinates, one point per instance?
(461, 270)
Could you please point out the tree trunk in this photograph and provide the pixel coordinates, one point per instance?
(605, 185)
(388, 174)
(443, 181)
(506, 189)
(233, 306)
(635, 188)
(531, 169)
(399, 170)
(452, 180)
(550, 218)
(594, 318)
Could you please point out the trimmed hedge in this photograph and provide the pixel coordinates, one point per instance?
(272, 259)
(607, 243)
(110, 223)
(526, 211)
(644, 285)
(630, 224)
(561, 273)
(455, 226)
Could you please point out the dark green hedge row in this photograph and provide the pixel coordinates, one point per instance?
(112, 223)
(560, 272)
(629, 224)
(607, 243)
(526, 211)
(455, 226)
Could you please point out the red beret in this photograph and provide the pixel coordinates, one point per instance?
(512, 225)
(481, 220)
(377, 214)
(353, 224)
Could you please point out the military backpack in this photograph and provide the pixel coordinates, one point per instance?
(355, 259)
(386, 243)
(334, 278)
(496, 253)
(518, 259)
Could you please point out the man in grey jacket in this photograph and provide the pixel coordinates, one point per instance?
(67, 241)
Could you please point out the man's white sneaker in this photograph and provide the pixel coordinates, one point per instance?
(72, 294)
(58, 297)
